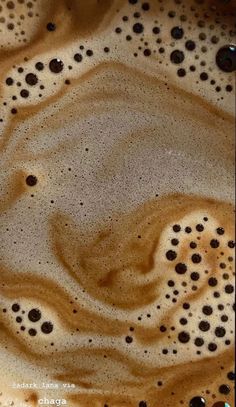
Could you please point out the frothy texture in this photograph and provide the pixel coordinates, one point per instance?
(117, 219)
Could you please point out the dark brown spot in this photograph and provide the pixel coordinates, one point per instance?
(196, 258)
(171, 255)
(204, 326)
(180, 268)
(47, 327)
(31, 180)
(184, 337)
(31, 79)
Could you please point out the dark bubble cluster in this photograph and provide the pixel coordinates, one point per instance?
(14, 16)
(34, 315)
(183, 270)
(138, 24)
(225, 56)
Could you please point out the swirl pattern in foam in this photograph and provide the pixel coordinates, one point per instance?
(117, 238)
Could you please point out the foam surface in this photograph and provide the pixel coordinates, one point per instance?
(116, 202)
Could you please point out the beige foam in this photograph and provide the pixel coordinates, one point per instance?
(87, 245)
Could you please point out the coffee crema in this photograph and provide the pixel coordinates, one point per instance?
(116, 204)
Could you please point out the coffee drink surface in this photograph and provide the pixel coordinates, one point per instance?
(116, 203)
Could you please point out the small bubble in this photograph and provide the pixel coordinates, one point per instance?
(56, 65)
(15, 307)
(31, 79)
(47, 327)
(51, 26)
(31, 180)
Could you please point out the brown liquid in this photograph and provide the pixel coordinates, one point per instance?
(116, 205)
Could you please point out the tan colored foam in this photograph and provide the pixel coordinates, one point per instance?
(122, 154)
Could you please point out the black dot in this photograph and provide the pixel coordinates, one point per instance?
(183, 321)
(229, 88)
(143, 404)
(220, 331)
(212, 347)
(184, 337)
(89, 53)
(34, 315)
(129, 339)
(186, 305)
(199, 342)
(15, 307)
(195, 276)
(203, 76)
(196, 258)
(220, 231)
(171, 283)
(190, 45)
(231, 244)
(171, 14)
(147, 52)
(32, 332)
(31, 180)
(199, 227)
(133, 2)
(229, 289)
(24, 93)
(47, 327)
(226, 58)
(224, 389)
(18, 319)
(181, 72)
(177, 33)
(156, 30)
(31, 79)
(224, 318)
(145, 6)
(9, 81)
(222, 265)
(177, 56)
(118, 30)
(174, 242)
(202, 36)
(207, 310)
(212, 282)
(78, 57)
(180, 268)
(193, 245)
(192, 68)
(171, 255)
(56, 65)
(51, 26)
(214, 243)
(204, 326)
(162, 328)
(39, 66)
(197, 401)
(176, 228)
(138, 28)
(231, 376)
(188, 229)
